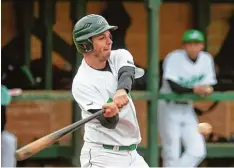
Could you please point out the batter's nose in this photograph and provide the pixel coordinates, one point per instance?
(109, 41)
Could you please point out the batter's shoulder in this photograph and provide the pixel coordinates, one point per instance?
(119, 52)
(77, 80)
(80, 78)
(80, 82)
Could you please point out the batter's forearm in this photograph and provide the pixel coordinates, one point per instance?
(175, 87)
(126, 78)
(110, 122)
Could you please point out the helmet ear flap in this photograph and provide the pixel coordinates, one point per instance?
(84, 46)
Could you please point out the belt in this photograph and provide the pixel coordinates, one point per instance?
(177, 102)
(118, 148)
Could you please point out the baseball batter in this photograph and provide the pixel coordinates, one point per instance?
(187, 70)
(104, 80)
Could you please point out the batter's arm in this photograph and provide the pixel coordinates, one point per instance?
(124, 65)
(126, 78)
(110, 122)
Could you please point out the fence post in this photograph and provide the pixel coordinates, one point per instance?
(78, 10)
(153, 79)
(47, 16)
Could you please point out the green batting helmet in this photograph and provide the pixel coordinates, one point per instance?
(193, 36)
(87, 27)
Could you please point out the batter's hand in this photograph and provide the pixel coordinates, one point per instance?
(121, 98)
(203, 90)
(111, 109)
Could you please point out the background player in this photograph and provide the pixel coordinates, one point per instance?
(8, 140)
(104, 80)
(187, 70)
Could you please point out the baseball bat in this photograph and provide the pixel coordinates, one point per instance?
(36, 146)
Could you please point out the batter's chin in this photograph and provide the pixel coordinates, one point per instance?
(105, 58)
(107, 54)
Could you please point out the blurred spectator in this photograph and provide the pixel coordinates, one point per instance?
(232, 138)
(8, 140)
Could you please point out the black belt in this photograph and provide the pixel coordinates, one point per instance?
(177, 102)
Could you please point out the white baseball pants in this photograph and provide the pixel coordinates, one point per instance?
(178, 126)
(8, 147)
(95, 156)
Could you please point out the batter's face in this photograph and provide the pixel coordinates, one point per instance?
(102, 44)
(193, 49)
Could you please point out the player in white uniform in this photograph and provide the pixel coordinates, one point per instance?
(104, 80)
(187, 70)
(8, 140)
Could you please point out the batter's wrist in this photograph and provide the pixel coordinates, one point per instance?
(123, 90)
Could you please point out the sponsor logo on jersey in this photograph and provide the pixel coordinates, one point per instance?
(130, 62)
(89, 104)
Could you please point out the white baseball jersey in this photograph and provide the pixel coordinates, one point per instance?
(182, 126)
(92, 88)
(178, 68)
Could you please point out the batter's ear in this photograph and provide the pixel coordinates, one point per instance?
(85, 46)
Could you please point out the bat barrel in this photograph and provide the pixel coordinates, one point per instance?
(34, 147)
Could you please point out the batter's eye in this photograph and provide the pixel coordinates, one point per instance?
(110, 36)
(84, 46)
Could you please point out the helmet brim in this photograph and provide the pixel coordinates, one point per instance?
(103, 29)
(113, 27)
